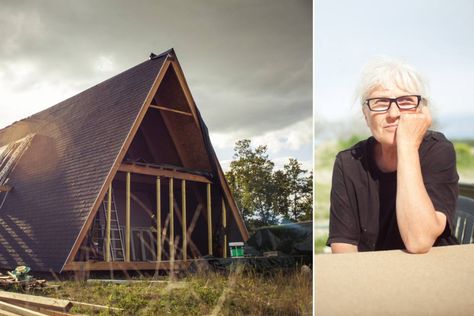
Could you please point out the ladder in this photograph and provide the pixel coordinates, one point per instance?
(117, 252)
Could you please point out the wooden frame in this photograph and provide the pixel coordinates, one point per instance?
(183, 219)
(118, 160)
(170, 61)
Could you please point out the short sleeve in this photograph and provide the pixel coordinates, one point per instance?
(441, 178)
(343, 221)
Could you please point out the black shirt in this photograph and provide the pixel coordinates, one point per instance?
(363, 197)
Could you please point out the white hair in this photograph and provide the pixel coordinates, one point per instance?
(390, 73)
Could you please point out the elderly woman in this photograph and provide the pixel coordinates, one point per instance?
(397, 189)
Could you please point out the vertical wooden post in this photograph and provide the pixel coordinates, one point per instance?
(127, 220)
(209, 220)
(183, 210)
(158, 219)
(171, 209)
(108, 223)
(224, 225)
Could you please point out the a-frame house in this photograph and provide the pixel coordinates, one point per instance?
(121, 176)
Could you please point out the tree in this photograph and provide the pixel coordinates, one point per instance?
(265, 196)
(251, 180)
(300, 191)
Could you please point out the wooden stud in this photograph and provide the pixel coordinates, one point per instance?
(224, 225)
(209, 220)
(108, 223)
(158, 219)
(171, 210)
(128, 230)
(183, 219)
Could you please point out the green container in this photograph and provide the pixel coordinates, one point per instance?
(236, 249)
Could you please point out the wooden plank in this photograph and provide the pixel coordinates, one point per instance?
(158, 219)
(209, 219)
(183, 219)
(108, 224)
(124, 266)
(97, 307)
(19, 310)
(5, 188)
(170, 110)
(171, 214)
(224, 225)
(118, 161)
(6, 313)
(33, 300)
(150, 171)
(128, 230)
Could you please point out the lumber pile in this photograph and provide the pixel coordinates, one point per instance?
(20, 278)
(12, 303)
(33, 305)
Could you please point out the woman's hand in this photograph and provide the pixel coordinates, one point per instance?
(412, 127)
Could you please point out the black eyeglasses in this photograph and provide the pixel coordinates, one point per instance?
(405, 102)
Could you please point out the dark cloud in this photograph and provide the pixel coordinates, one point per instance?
(248, 63)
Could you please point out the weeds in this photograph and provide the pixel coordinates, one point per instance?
(238, 293)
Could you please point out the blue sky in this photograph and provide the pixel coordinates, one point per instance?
(436, 37)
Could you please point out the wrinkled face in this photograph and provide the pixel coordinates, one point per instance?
(384, 125)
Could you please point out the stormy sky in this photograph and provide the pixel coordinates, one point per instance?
(248, 63)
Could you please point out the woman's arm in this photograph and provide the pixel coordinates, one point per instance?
(337, 247)
(418, 221)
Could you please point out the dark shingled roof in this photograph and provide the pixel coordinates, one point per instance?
(59, 177)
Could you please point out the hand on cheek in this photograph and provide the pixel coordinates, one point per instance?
(412, 127)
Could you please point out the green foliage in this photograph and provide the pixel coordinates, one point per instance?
(464, 155)
(264, 195)
(320, 244)
(248, 294)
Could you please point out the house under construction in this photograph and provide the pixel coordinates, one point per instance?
(121, 176)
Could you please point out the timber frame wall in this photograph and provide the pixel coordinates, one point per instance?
(226, 201)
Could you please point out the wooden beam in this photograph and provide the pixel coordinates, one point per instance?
(27, 300)
(124, 266)
(5, 188)
(183, 219)
(108, 223)
(170, 110)
(150, 171)
(128, 230)
(171, 214)
(158, 219)
(224, 225)
(209, 219)
(10, 309)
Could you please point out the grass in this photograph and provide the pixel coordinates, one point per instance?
(320, 244)
(238, 293)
